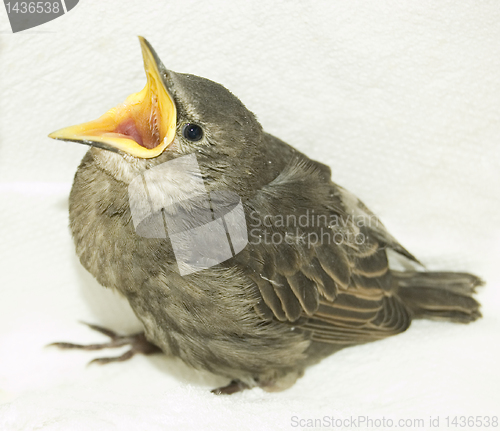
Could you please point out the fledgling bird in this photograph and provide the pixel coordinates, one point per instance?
(307, 272)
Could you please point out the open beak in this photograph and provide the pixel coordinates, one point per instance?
(142, 126)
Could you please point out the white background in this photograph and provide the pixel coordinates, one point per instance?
(401, 99)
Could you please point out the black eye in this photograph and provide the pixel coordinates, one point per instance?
(193, 132)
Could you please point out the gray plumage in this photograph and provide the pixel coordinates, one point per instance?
(264, 315)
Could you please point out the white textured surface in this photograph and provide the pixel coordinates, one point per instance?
(401, 99)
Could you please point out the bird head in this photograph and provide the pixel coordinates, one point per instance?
(175, 114)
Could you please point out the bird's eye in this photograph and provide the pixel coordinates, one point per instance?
(192, 132)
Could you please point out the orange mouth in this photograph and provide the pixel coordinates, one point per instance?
(142, 126)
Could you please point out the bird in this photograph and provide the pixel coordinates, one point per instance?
(237, 252)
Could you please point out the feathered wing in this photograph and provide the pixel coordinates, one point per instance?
(326, 272)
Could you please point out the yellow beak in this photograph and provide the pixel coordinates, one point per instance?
(142, 126)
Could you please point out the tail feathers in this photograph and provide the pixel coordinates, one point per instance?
(440, 295)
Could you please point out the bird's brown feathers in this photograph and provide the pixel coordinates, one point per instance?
(340, 291)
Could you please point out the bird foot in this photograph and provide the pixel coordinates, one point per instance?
(137, 342)
(233, 387)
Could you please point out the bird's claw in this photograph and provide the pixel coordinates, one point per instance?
(233, 387)
(138, 344)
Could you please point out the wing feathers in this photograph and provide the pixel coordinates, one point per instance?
(305, 291)
(289, 301)
(334, 263)
(339, 292)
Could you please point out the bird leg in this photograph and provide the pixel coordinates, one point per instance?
(233, 387)
(138, 344)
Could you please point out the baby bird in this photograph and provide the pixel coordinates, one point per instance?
(237, 252)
